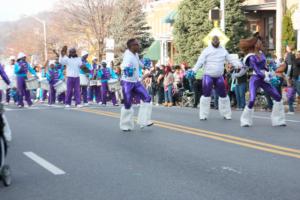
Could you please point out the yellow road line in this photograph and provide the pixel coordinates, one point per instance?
(216, 136)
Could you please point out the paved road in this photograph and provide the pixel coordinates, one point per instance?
(80, 154)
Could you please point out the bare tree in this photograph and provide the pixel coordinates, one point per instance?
(90, 18)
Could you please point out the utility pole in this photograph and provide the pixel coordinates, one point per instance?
(43, 22)
(279, 16)
(222, 6)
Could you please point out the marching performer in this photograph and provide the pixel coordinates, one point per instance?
(11, 91)
(62, 97)
(73, 65)
(22, 67)
(106, 74)
(5, 78)
(53, 76)
(260, 78)
(95, 90)
(131, 84)
(84, 76)
(213, 59)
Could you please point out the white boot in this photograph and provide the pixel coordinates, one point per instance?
(204, 107)
(127, 120)
(144, 116)
(278, 115)
(224, 107)
(247, 117)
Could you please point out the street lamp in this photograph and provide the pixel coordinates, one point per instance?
(43, 22)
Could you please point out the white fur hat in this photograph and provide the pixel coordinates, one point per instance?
(21, 55)
(84, 53)
(51, 62)
(12, 58)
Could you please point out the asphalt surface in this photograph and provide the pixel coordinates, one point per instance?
(180, 158)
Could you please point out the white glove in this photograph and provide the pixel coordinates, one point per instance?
(267, 77)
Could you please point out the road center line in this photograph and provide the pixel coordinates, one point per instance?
(44, 163)
(295, 153)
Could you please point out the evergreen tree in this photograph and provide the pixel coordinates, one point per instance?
(235, 21)
(190, 27)
(288, 32)
(129, 21)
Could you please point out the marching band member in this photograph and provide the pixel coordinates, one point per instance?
(256, 60)
(62, 97)
(73, 65)
(4, 77)
(131, 84)
(213, 59)
(95, 90)
(22, 67)
(11, 91)
(85, 74)
(105, 74)
(41, 94)
(53, 76)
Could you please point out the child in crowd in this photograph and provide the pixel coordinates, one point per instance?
(290, 94)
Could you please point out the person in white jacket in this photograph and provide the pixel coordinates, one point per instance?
(131, 85)
(212, 59)
(73, 65)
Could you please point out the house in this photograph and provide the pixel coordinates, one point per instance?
(160, 17)
(262, 17)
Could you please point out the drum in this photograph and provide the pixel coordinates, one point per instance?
(3, 85)
(44, 84)
(60, 87)
(94, 82)
(84, 81)
(114, 85)
(32, 84)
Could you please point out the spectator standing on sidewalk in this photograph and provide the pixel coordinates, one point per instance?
(168, 86)
(198, 86)
(290, 60)
(290, 94)
(159, 79)
(296, 76)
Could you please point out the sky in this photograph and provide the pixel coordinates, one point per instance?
(13, 9)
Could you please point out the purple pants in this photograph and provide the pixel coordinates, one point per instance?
(23, 92)
(52, 95)
(44, 95)
(257, 82)
(95, 91)
(210, 82)
(105, 92)
(129, 89)
(136, 99)
(84, 93)
(73, 86)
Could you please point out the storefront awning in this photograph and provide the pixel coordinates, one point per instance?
(153, 52)
(170, 18)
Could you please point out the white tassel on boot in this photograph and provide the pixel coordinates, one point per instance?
(247, 117)
(144, 115)
(204, 107)
(224, 107)
(127, 120)
(278, 115)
